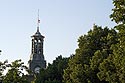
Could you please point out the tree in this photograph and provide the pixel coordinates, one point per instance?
(92, 49)
(113, 68)
(2, 69)
(118, 14)
(15, 73)
(54, 72)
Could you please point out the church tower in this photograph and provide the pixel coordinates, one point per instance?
(37, 60)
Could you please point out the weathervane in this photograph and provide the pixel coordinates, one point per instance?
(38, 22)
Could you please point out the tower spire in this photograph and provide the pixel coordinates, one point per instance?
(38, 22)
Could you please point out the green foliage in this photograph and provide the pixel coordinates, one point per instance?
(101, 54)
(15, 74)
(112, 69)
(93, 48)
(118, 14)
(54, 71)
(2, 67)
(99, 58)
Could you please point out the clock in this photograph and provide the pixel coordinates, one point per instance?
(37, 70)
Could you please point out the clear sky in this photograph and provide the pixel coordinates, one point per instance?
(62, 22)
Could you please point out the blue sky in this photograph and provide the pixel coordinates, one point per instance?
(62, 22)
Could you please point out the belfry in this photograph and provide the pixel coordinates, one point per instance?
(37, 60)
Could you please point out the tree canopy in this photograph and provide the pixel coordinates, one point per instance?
(14, 72)
(113, 68)
(93, 48)
(99, 58)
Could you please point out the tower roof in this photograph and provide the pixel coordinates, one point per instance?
(38, 34)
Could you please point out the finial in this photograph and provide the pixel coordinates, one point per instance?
(38, 22)
(0, 52)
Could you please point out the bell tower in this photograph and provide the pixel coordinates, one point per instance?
(37, 60)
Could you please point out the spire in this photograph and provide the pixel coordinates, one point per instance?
(38, 22)
(38, 32)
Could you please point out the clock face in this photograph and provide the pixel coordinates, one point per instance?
(37, 70)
